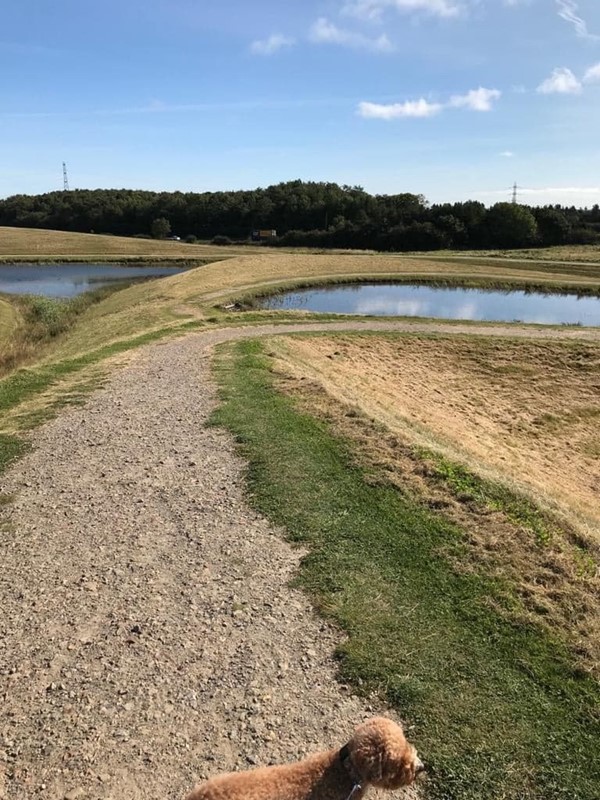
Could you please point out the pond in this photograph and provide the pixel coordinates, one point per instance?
(395, 299)
(68, 280)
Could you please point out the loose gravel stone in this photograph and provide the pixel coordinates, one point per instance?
(149, 636)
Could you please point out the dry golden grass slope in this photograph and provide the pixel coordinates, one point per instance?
(33, 243)
(582, 253)
(526, 413)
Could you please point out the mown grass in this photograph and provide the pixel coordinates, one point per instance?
(471, 488)
(38, 244)
(578, 253)
(11, 447)
(496, 705)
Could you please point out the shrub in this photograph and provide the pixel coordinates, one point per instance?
(49, 316)
(221, 240)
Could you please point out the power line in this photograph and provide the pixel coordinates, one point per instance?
(65, 178)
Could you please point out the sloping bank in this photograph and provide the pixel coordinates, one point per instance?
(499, 707)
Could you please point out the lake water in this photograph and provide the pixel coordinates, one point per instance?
(442, 303)
(68, 280)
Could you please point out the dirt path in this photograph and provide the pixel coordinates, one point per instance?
(148, 635)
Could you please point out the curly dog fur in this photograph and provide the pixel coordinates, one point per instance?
(376, 755)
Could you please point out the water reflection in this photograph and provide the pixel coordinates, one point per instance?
(68, 280)
(443, 303)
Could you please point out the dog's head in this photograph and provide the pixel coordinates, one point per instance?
(381, 756)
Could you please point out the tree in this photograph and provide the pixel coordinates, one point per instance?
(510, 225)
(554, 227)
(160, 228)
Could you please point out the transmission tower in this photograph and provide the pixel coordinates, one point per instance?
(514, 193)
(65, 178)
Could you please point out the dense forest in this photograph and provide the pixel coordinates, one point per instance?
(308, 214)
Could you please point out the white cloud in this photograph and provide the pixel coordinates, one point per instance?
(325, 32)
(562, 81)
(593, 74)
(412, 108)
(476, 100)
(275, 42)
(506, 154)
(568, 10)
(373, 9)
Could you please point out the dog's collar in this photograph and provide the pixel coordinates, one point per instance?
(346, 761)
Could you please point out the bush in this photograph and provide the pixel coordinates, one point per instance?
(191, 239)
(48, 317)
(221, 240)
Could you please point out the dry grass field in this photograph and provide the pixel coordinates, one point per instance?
(36, 244)
(197, 292)
(582, 253)
(522, 415)
(21, 244)
(525, 413)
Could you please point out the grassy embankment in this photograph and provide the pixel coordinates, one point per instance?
(195, 298)
(582, 253)
(34, 244)
(445, 634)
(499, 703)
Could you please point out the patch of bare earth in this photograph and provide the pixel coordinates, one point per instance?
(525, 414)
(148, 634)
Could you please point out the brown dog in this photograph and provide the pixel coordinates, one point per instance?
(376, 755)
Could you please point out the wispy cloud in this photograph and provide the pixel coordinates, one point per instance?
(374, 9)
(476, 100)
(506, 154)
(593, 74)
(412, 108)
(568, 10)
(591, 190)
(325, 32)
(275, 42)
(562, 81)
(159, 107)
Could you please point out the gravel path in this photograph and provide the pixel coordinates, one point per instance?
(148, 635)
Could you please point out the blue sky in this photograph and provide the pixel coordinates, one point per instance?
(455, 99)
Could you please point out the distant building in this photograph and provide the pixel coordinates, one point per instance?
(263, 235)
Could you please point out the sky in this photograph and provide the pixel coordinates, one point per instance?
(453, 99)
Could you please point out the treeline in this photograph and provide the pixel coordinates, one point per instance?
(306, 214)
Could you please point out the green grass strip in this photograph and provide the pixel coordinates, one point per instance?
(498, 710)
(11, 448)
(26, 383)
